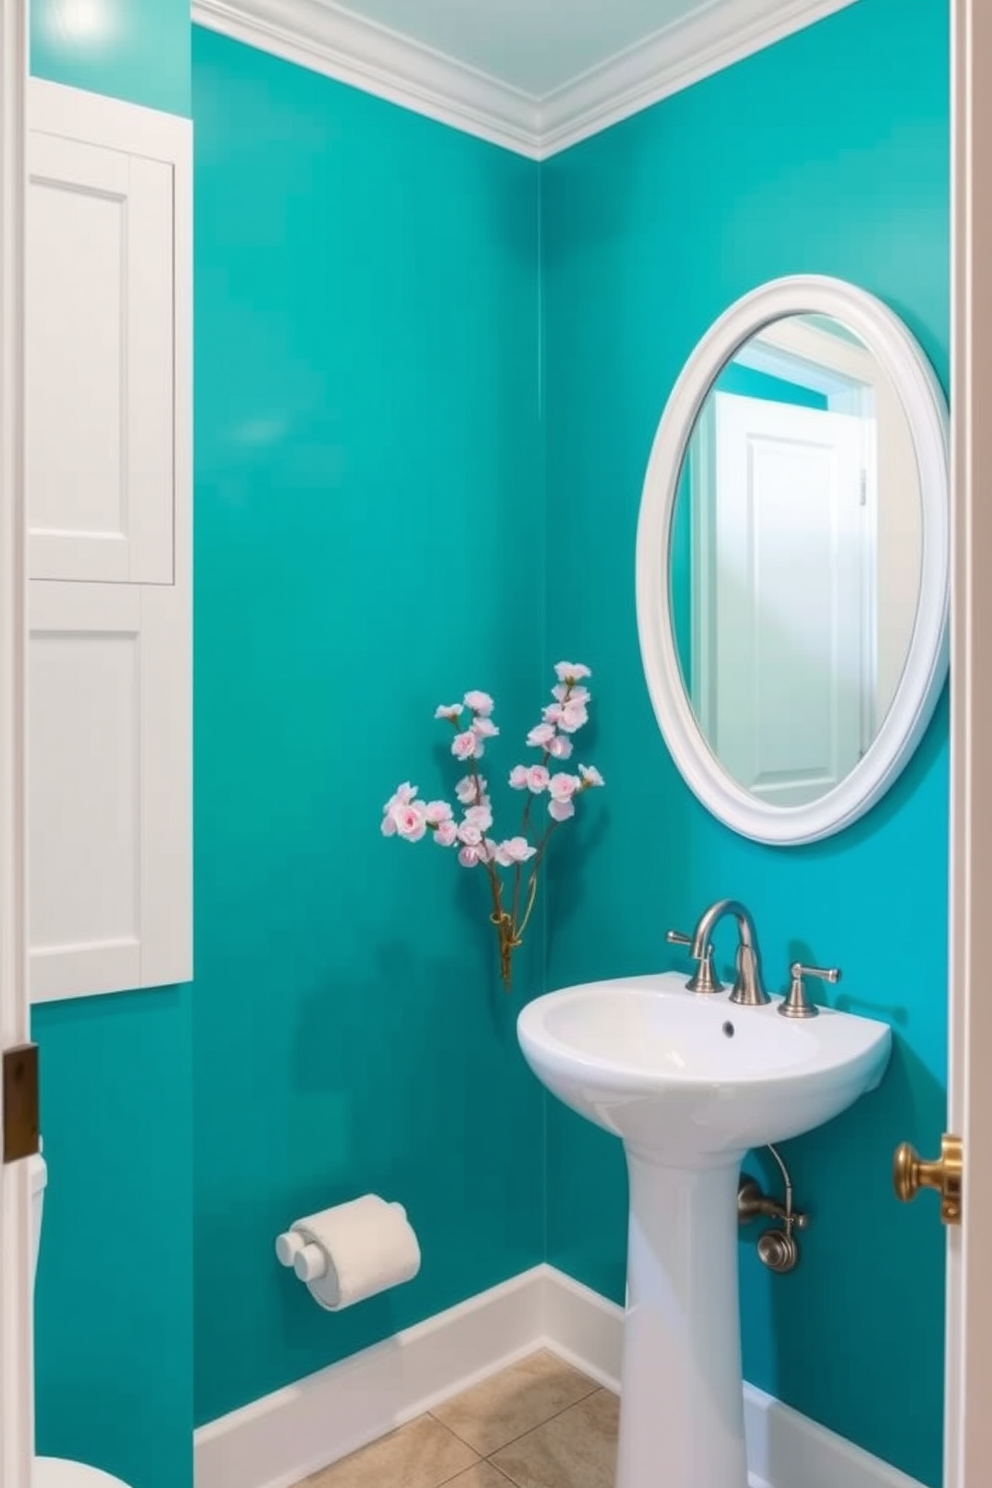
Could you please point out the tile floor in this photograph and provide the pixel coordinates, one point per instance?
(538, 1424)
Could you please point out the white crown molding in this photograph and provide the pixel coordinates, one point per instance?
(667, 61)
(280, 1439)
(337, 42)
(329, 39)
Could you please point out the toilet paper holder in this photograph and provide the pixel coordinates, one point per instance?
(351, 1251)
(307, 1260)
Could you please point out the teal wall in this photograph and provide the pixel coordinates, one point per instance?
(137, 50)
(114, 1299)
(369, 543)
(650, 230)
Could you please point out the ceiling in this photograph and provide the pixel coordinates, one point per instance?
(535, 45)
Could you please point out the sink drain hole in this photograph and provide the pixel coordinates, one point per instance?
(728, 1029)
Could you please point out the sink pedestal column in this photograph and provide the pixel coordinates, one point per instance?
(682, 1402)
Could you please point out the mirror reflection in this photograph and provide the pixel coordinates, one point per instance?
(796, 558)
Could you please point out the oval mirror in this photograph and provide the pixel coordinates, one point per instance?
(792, 559)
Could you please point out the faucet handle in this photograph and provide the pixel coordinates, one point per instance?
(797, 1005)
(704, 978)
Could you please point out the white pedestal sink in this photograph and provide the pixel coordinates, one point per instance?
(689, 1082)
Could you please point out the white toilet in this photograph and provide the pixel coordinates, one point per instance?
(53, 1472)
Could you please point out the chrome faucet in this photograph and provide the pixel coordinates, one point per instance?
(748, 989)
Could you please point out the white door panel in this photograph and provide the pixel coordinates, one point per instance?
(100, 318)
(109, 790)
(785, 666)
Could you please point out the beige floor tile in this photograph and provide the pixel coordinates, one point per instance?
(423, 1454)
(483, 1475)
(513, 1402)
(578, 1449)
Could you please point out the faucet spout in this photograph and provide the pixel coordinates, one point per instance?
(748, 989)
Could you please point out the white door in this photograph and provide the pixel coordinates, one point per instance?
(16, 1354)
(784, 675)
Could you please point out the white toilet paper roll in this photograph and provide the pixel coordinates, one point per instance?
(354, 1250)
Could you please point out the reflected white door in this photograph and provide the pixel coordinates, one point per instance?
(783, 571)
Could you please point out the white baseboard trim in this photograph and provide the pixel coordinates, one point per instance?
(277, 1441)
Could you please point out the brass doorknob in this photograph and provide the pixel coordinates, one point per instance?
(910, 1173)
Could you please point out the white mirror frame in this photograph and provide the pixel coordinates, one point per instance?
(926, 665)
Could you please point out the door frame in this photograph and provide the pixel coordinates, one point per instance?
(16, 1340)
(968, 1367)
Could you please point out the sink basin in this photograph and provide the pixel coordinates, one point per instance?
(690, 1081)
(689, 1074)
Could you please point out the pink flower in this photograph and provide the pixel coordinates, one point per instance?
(469, 856)
(563, 786)
(484, 727)
(542, 735)
(561, 789)
(479, 702)
(409, 821)
(537, 779)
(518, 777)
(552, 713)
(479, 816)
(514, 850)
(571, 671)
(402, 796)
(448, 710)
(436, 812)
(470, 834)
(465, 790)
(446, 834)
(573, 716)
(574, 694)
(466, 745)
(559, 747)
(590, 775)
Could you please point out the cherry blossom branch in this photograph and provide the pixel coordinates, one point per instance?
(407, 817)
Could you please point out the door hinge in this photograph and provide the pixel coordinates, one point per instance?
(20, 1102)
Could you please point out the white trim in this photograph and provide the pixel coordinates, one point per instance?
(680, 54)
(333, 40)
(16, 1344)
(282, 1438)
(328, 39)
(926, 666)
(967, 1422)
